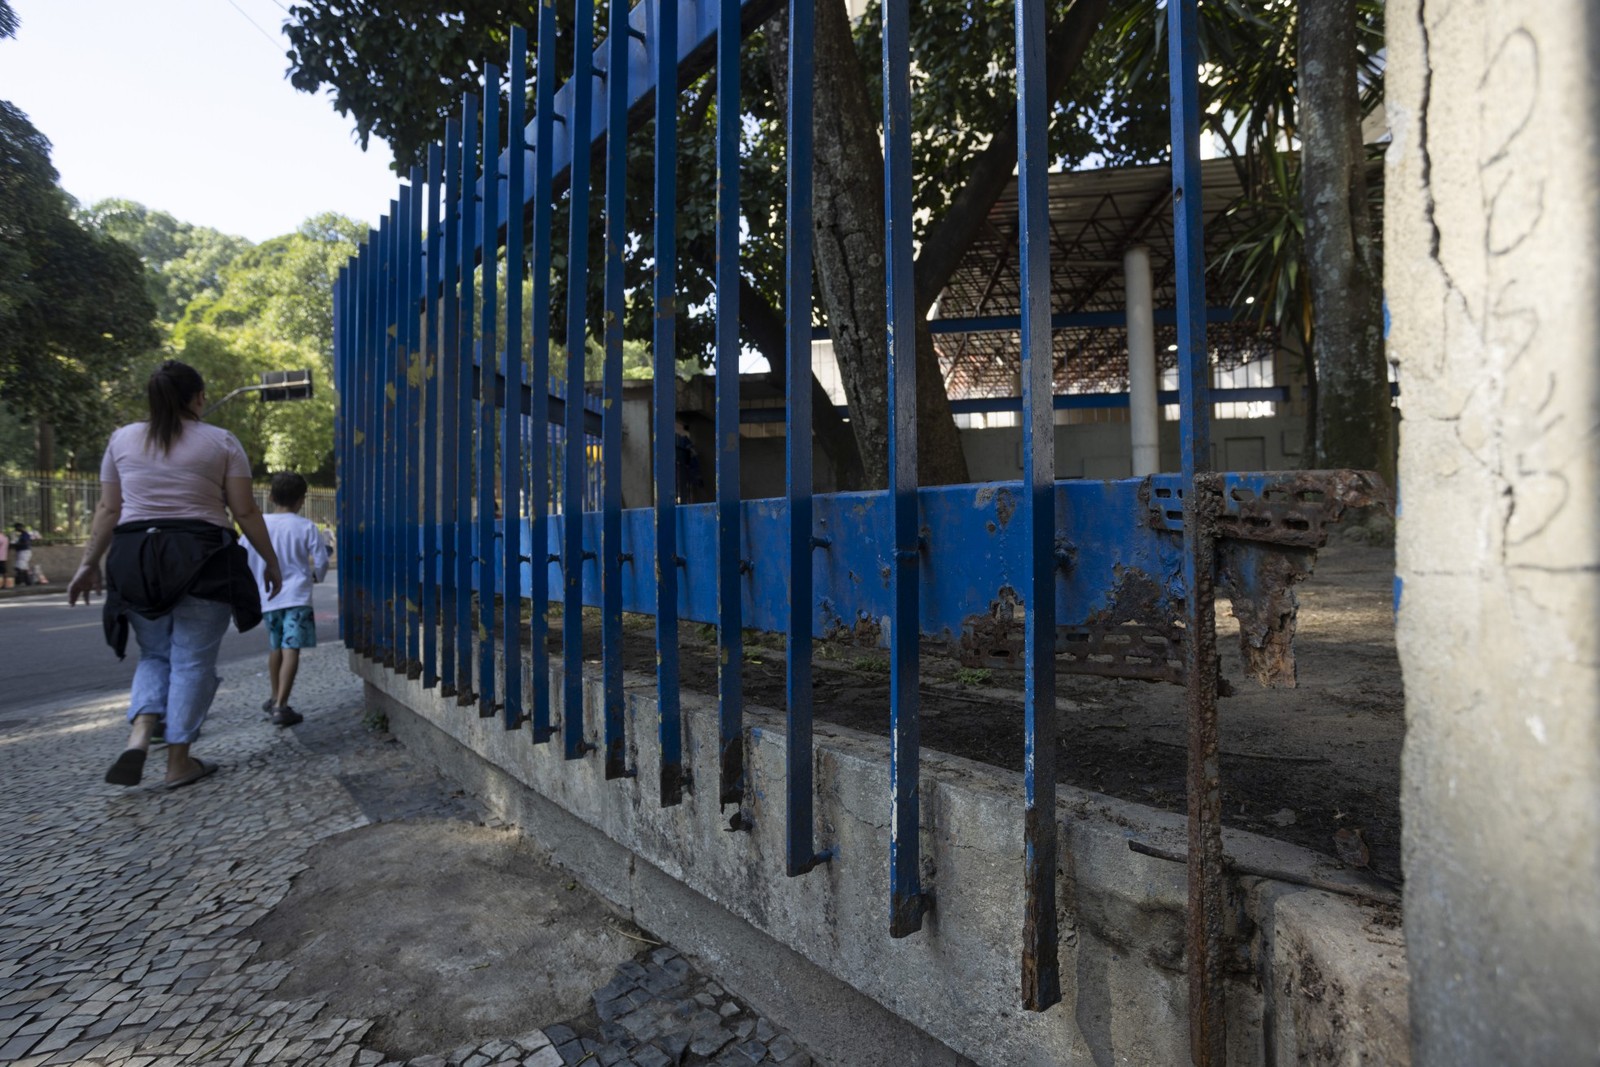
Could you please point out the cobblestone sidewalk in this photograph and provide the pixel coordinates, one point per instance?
(124, 919)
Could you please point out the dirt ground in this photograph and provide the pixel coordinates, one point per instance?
(1298, 764)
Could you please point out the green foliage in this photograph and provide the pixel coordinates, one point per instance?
(74, 314)
(963, 62)
(872, 664)
(274, 311)
(972, 676)
(1249, 103)
(183, 262)
(398, 69)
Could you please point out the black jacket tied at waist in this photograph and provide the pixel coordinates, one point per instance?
(154, 564)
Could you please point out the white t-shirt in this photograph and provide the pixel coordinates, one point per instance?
(302, 557)
(187, 482)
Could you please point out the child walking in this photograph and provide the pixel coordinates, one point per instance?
(291, 625)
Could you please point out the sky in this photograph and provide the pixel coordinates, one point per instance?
(184, 106)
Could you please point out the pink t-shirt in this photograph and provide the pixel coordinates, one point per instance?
(188, 482)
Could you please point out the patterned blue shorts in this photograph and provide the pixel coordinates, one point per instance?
(291, 628)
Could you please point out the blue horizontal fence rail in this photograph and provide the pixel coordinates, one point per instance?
(472, 479)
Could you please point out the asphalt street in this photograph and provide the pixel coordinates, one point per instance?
(51, 653)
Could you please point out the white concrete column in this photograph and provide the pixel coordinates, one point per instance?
(1493, 286)
(1144, 415)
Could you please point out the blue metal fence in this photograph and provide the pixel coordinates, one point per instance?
(458, 486)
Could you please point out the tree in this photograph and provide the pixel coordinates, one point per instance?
(273, 310)
(183, 261)
(1355, 426)
(1283, 78)
(399, 68)
(74, 314)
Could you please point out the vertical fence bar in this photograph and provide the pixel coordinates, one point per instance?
(341, 448)
(341, 437)
(539, 376)
(488, 352)
(350, 473)
(432, 302)
(369, 452)
(664, 46)
(361, 437)
(1207, 1014)
(383, 411)
(369, 524)
(449, 407)
(616, 183)
(415, 380)
(380, 445)
(394, 394)
(579, 123)
(393, 356)
(730, 561)
(511, 417)
(392, 456)
(466, 253)
(372, 386)
(907, 902)
(1041, 974)
(799, 831)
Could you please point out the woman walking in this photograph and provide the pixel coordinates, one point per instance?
(175, 572)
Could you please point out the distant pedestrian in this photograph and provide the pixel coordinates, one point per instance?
(291, 620)
(175, 572)
(22, 551)
(5, 561)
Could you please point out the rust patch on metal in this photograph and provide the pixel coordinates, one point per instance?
(994, 638)
(1139, 634)
(1161, 506)
(1204, 919)
(1296, 508)
(1041, 968)
(1005, 506)
(1260, 581)
(862, 630)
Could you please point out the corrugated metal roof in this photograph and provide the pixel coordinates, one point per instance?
(1095, 216)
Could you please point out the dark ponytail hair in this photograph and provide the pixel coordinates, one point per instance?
(172, 389)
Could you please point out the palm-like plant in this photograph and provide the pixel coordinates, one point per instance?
(1249, 94)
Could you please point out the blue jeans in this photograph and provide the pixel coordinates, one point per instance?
(177, 677)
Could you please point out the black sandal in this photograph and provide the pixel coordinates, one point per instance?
(128, 769)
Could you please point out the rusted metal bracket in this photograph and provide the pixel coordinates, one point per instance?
(1267, 528)
(1269, 534)
(1292, 508)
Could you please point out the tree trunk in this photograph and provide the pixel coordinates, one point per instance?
(764, 328)
(849, 234)
(45, 464)
(44, 441)
(1355, 425)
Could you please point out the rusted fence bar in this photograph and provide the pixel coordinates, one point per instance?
(1207, 1015)
(1041, 972)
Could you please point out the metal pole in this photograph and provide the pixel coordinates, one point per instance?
(1144, 415)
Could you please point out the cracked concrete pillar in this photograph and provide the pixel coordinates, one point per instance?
(1492, 277)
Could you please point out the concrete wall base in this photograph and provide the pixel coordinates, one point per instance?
(1318, 978)
(825, 1014)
